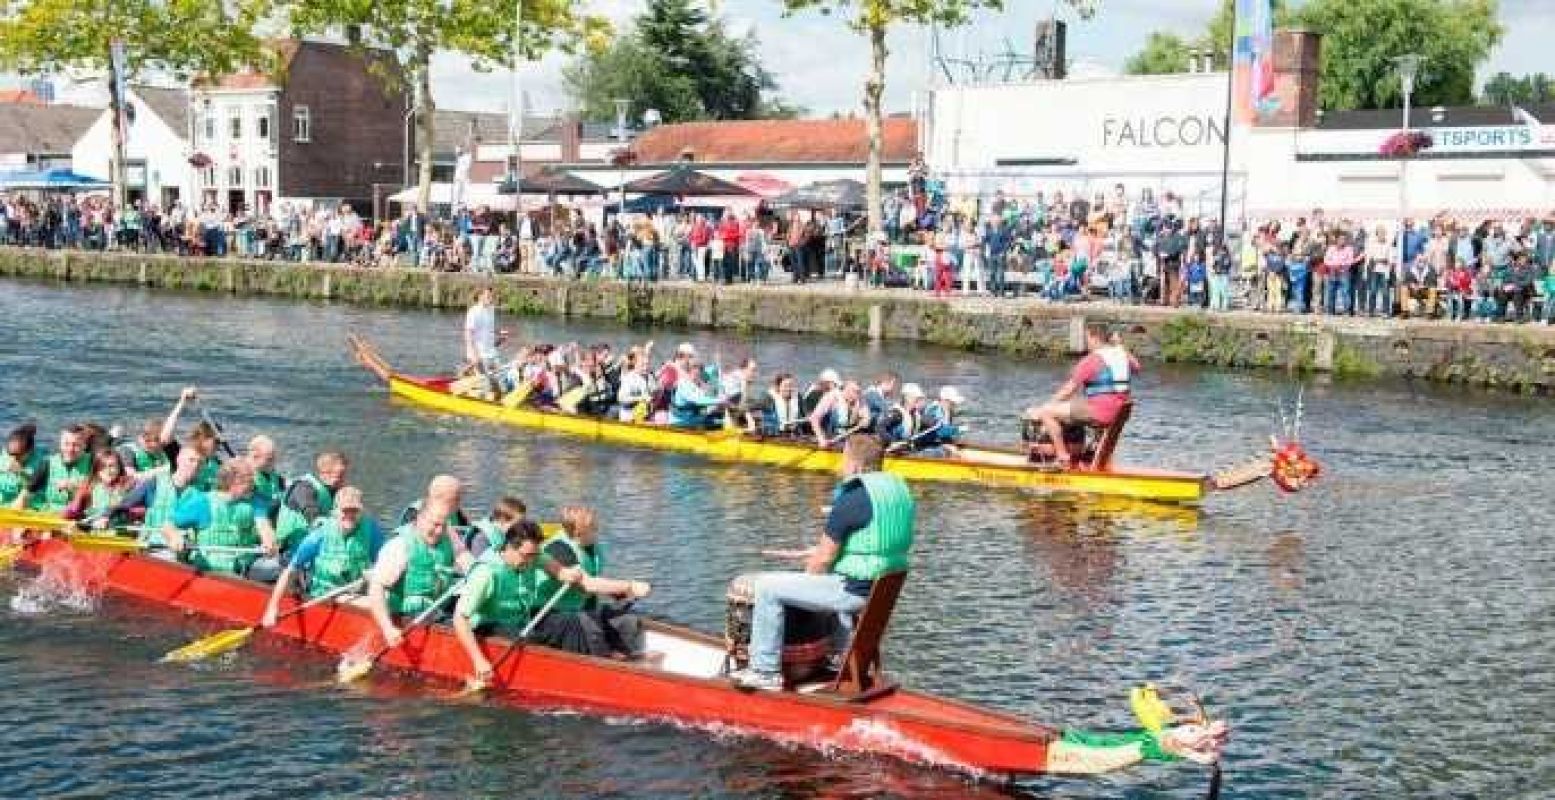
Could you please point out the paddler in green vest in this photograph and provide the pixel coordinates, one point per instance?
(55, 484)
(269, 486)
(337, 551)
(309, 498)
(109, 485)
(445, 490)
(147, 453)
(868, 533)
(415, 569)
(21, 461)
(203, 439)
(492, 532)
(225, 538)
(501, 595)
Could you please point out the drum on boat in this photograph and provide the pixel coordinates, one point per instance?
(806, 634)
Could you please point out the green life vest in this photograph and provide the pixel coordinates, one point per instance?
(14, 475)
(103, 498)
(268, 489)
(164, 498)
(205, 478)
(291, 525)
(64, 480)
(593, 565)
(342, 557)
(882, 546)
(493, 533)
(143, 460)
(232, 525)
(427, 570)
(512, 595)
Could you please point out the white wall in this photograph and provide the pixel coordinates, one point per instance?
(165, 151)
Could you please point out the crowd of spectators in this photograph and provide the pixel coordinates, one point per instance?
(1113, 246)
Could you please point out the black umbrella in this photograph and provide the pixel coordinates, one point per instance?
(684, 182)
(551, 181)
(839, 194)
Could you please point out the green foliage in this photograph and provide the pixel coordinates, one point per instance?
(1362, 37)
(177, 36)
(1502, 89)
(1163, 54)
(1360, 40)
(681, 62)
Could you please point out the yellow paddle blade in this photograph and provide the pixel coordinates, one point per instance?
(1152, 712)
(349, 670)
(516, 398)
(32, 520)
(9, 553)
(213, 645)
(550, 530)
(569, 401)
(106, 544)
(640, 412)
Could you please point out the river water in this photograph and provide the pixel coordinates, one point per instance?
(1386, 634)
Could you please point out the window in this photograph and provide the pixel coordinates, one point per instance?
(302, 124)
(261, 177)
(262, 125)
(210, 121)
(235, 123)
(235, 176)
(208, 175)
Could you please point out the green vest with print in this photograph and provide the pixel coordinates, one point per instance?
(428, 569)
(14, 475)
(64, 480)
(231, 526)
(593, 565)
(881, 546)
(513, 594)
(343, 557)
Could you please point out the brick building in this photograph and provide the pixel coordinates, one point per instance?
(327, 125)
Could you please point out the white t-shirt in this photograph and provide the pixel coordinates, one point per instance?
(480, 323)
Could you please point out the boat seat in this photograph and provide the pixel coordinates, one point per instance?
(861, 678)
(1107, 441)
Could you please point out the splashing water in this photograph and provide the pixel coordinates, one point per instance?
(72, 582)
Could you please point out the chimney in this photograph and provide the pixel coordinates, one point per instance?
(1296, 79)
(572, 139)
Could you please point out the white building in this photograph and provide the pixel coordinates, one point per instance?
(156, 146)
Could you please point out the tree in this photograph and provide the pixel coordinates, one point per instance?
(681, 62)
(168, 36)
(1163, 54)
(1502, 89)
(1361, 39)
(413, 30)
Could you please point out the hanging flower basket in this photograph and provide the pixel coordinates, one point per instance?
(200, 161)
(1405, 144)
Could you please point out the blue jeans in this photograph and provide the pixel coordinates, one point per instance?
(1381, 299)
(1298, 287)
(774, 590)
(1337, 294)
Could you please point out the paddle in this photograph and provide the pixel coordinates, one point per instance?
(475, 685)
(221, 438)
(348, 671)
(33, 520)
(231, 639)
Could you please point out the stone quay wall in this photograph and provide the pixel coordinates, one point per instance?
(1517, 358)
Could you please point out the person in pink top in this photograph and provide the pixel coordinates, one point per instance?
(1337, 260)
(1096, 392)
(701, 236)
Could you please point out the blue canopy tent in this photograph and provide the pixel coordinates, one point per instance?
(50, 180)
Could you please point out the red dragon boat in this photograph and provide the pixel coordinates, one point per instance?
(859, 711)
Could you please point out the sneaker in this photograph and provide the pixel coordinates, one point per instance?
(751, 679)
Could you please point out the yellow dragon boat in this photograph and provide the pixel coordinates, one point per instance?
(975, 464)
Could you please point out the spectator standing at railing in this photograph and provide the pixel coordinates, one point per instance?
(1459, 285)
(1337, 260)
(996, 241)
(1171, 249)
(1379, 271)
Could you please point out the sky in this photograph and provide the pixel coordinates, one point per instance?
(820, 64)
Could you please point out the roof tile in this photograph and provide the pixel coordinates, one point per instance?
(775, 141)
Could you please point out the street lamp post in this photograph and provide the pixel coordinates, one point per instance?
(621, 106)
(1408, 66)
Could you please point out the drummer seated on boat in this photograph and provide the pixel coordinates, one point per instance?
(839, 415)
(336, 552)
(310, 498)
(868, 533)
(776, 412)
(1096, 392)
(225, 538)
(695, 403)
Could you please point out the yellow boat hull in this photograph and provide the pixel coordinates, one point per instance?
(977, 466)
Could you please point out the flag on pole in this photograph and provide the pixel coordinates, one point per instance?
(1253, 62)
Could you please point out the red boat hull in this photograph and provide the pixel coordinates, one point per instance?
(914, 727)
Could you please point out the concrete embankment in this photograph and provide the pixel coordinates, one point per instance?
(1512, 357)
